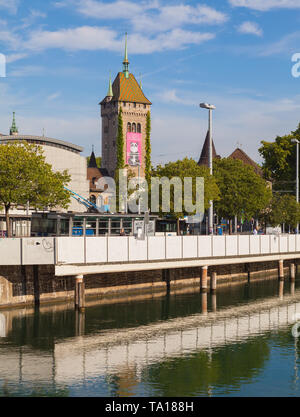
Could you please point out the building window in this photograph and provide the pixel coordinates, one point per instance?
(134, 105)
(129, 127)
(93, 199)
(124, 103)
(139, 128)
(133, 127)
(145, 106)
(106, 129)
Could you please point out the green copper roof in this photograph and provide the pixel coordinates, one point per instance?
(13, 128)
(126, 62)
(110, 90)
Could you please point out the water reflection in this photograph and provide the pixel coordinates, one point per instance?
(202, 347)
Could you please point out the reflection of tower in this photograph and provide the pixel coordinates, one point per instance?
(125, 94)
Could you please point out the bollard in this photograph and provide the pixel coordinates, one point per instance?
(292, 272)
(204, 279)
(280, 270)
(213, 282)
(79, 293)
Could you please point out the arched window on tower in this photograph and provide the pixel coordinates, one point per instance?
(133, 127)
(129, 127)
(139, 128)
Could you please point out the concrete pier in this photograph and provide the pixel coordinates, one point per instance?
(79, 293)
(280, 269)
(166, 275)
(204, 303)
(292, 272)
(213, 282)
(214, 302)
(203, 284)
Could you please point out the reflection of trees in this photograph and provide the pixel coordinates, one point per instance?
(10, 391)
(200, 373)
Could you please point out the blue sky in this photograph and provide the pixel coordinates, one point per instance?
(235, 54)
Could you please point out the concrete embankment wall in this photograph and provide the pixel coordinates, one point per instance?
(25, 285)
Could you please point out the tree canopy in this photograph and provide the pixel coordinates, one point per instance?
(25, 178)
(280, 161)
(188, 168)
(243, 193)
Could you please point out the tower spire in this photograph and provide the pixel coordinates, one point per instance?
(126, 62)
(14, 130)
(110, 90)
(141, 85)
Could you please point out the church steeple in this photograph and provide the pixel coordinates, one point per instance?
(126, 62)
(93, 162)
(14, 130)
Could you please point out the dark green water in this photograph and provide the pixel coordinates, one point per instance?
(237, 343)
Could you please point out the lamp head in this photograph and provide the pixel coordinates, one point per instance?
(207, 106)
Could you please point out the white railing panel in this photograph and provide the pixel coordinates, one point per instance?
(231, 245)
(117, 249)
(274, 243)
(173, 247)
(283, 244)
(204, 246)
(255, 245)
(244, 244)
(190, 246)
(219, 245)
(137, 249)
(292, 243)
(96, 250)
(70, 250)
(265, 244)
(297, 243)
(10, 251)
(38, 251)
(156, 248)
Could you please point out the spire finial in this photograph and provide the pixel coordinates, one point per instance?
(14, 130)
(126, 62)
(110, 90)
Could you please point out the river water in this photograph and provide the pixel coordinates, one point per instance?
(235, 343)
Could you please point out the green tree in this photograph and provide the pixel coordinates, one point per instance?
(187, 168)
(148, 149)
(243, 193)
(280, 161)
(25, 177)
(283, 209)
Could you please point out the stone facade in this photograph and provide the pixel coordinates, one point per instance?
(131, 113)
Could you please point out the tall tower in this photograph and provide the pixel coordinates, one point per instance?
(125, 93)
(14, 130)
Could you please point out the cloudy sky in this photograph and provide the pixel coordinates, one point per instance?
(236, 54)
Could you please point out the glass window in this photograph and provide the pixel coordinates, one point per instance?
(128, 127)
(139, 128)
(133, 127)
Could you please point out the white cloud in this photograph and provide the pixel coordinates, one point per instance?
(154, 15)
(54, 96)
(10, 5)
(250, 28)
(100, 38)
(265, 5)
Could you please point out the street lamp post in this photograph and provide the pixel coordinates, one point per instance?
(297, 175)
(210, 108)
